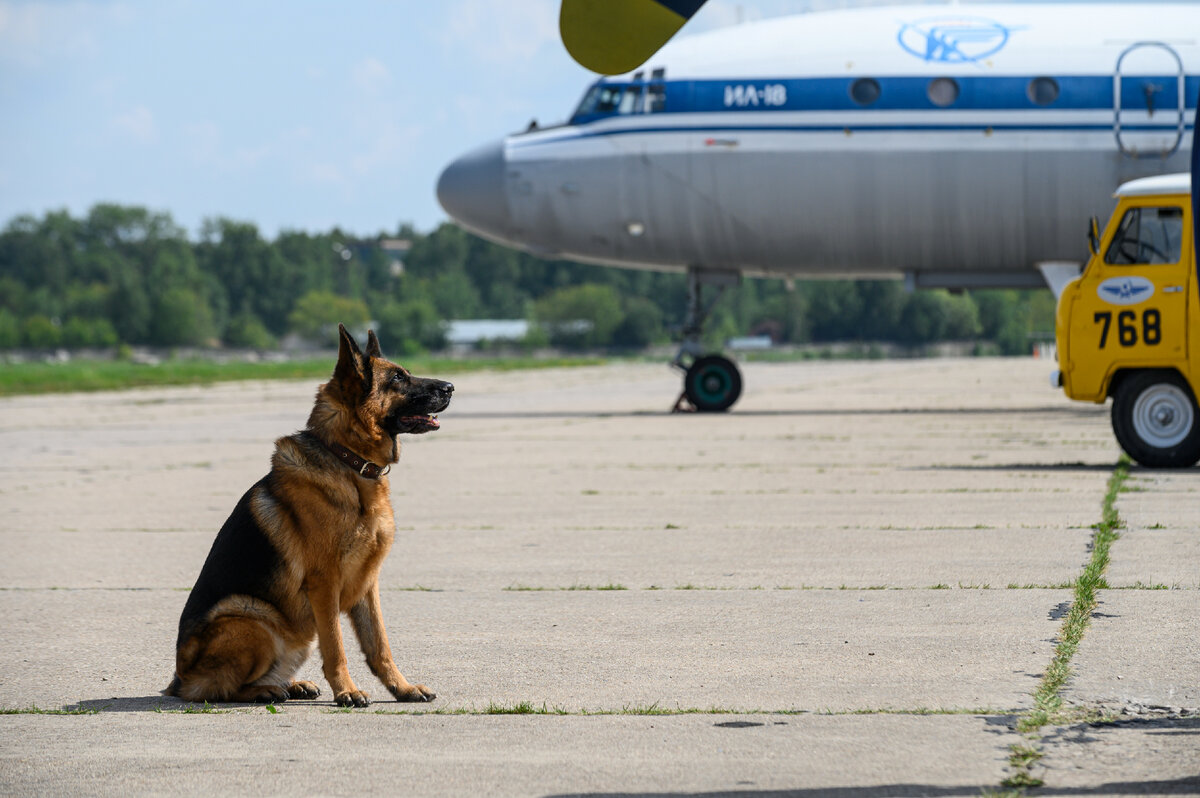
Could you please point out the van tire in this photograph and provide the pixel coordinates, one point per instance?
(1156, 419)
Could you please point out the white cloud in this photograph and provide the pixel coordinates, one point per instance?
(33, 34)
(206, 143)
(390, 145)
(203, 139)
(137, 123)
(248, 157)
(325, 173)
(371, 76)
(501, 32)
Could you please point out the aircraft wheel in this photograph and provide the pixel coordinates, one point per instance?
(1156, 420)
(712, 384)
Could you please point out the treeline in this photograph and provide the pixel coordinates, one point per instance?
(127, 275)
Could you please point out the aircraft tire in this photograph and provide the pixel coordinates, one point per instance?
(712, 384)
(1156, 419)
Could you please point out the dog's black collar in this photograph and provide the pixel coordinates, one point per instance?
(361, 466)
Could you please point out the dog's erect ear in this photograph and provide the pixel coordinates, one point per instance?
(346, 342)
(348, 372)
(373, 345)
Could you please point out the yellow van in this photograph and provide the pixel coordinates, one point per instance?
(1122, 326)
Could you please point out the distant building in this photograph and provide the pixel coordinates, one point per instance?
(468, 332)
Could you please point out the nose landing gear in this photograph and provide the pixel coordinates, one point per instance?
(711, 383)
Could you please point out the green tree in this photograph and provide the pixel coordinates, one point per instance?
(253, 274)
(13, 295)
(455, 296)
(318, 313)
(88, 300)
(409, 327)
(181, 318)
(128, 305)
(883, 304)
(443, 250)
(246, 330)
(962, 318)
(923, 319)
(39, 332)
(10, 329)
(1005, 319)
(83, 332)
(835, 310)
(581, 316)
(784, 317)
(642, 324)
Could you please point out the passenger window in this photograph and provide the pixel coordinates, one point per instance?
(865, 91)
(1042, 91)
(942, 92)
(1147, 236)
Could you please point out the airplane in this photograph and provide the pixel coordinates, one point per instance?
(951, 147)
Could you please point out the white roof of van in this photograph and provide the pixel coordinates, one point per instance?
(1178, 183)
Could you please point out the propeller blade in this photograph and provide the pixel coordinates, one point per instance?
(616, 36)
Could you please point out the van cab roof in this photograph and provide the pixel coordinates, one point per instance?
(1178, 183)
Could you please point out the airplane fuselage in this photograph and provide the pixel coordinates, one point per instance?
(959, 146)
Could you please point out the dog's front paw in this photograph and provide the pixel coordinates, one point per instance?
(303, 690)
(352, 698)
(413, 692)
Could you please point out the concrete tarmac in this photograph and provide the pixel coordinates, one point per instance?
(849, 586)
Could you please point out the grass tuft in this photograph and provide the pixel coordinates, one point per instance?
(1047, 699)
(36, 710)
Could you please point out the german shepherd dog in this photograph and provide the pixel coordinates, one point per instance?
(305, 544)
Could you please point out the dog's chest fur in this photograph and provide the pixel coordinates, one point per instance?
(347, 525)
(367, 541)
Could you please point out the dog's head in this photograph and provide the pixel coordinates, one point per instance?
(378, 395)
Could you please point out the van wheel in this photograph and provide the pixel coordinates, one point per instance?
(1156, 420)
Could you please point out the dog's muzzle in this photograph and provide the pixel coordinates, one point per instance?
(435, 400)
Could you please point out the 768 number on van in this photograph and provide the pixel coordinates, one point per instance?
(1127, 327)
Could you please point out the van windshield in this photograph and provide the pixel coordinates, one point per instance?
(1147, 236)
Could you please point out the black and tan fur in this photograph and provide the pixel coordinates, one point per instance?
(304, 545)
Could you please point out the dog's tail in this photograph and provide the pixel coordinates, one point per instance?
(173, 687)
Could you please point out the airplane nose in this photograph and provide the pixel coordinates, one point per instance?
(471, 190)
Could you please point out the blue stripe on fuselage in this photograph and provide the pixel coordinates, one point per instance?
(1076, 93)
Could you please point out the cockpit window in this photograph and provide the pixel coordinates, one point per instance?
(631, 101)
(622, 98)
(1147, 235)
(601, 99)
(656, 97)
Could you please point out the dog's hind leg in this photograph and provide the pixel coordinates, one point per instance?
(233, 658)
(367, 619)
(285, 668)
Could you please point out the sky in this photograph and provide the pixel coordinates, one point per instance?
(291, 114)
